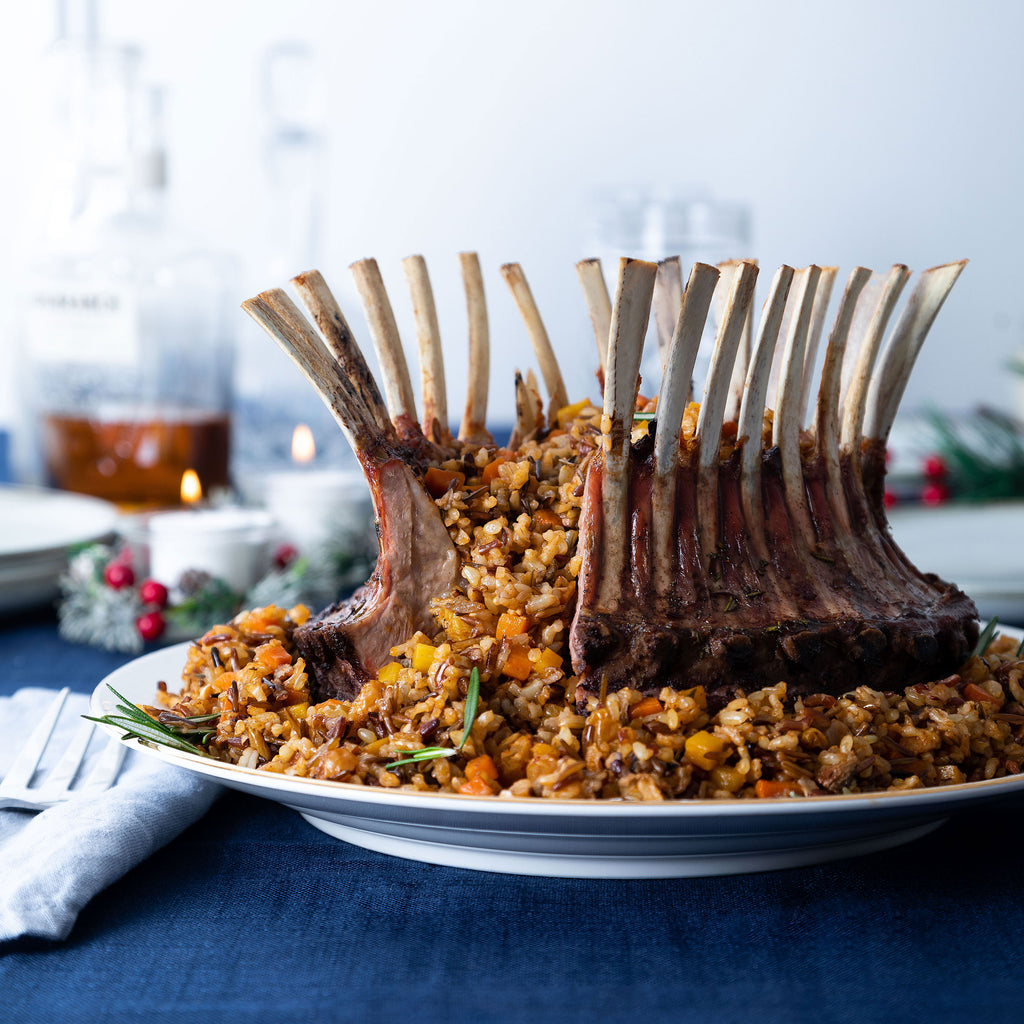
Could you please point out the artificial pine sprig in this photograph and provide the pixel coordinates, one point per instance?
(984, 453)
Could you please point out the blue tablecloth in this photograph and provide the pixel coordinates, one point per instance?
(254, 915)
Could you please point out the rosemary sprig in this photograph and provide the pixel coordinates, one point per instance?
(986, 637)
(468, 717)
(138, 725)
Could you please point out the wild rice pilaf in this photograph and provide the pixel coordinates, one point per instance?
(513, 518)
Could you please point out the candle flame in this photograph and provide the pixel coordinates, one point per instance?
(303, 445)
(191, 488)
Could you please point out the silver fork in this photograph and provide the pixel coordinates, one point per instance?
(17, 789)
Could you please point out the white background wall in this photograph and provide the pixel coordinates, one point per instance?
(865, 132)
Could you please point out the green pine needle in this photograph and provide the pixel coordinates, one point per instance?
(984, 453)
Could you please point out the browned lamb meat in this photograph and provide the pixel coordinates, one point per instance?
(733, 552)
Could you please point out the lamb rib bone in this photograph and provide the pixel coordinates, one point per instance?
(668, 294)
(388, 345)
(599, 306)
(474, 420)
(516, 281)
(787, 593)
(428, 335)
(730, 562)
(346, 644)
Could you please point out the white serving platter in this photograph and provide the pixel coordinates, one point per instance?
(580, 839)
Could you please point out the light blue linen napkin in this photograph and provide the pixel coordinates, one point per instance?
(54, 861)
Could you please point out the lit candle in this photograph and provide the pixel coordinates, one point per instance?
(229, 543)
(314, 506)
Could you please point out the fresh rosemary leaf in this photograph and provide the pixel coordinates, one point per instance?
(986, 637)
(644, 415)
(423, 754)
(135, 730)
(472, 699)
(468, 717)
(1020, 649)
(139, 725)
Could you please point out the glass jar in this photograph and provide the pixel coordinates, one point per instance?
(126, 333)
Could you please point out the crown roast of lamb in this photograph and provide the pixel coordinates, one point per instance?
(727, 544)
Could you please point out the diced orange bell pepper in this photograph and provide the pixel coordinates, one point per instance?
(704, 749)
(549, 659)
(645, 707)
(437, 481)
(518, 664)
(511, 624)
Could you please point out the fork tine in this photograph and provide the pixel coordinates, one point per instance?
(108, 767)
(20, 773)
(66, 768)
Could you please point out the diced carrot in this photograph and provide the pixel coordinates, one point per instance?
(476, 787)
(518, 664)
(511, 624)
(645, 707)
(271, 655)
(766, 788)
(549, 659)
(545, 519)
(423, 657)
(437, 481)
(482, 768)
(975, 692)
(570, 412)
(389, 673)
(493, 470)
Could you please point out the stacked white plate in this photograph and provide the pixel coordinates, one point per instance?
(980, 548)
(38, 528)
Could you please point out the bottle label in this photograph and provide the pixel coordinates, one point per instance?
(93, 325)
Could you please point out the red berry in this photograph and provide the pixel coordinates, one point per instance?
(935, 494)
(117, 575)
(285, 555)
(935, 467)
(890, 499)
(150, 625)
(153, 592)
